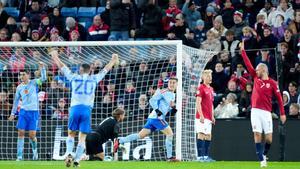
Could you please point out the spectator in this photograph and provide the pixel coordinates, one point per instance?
(191, 14)
(268, 39)
(5, 106)
(11, 26)
(285, 10)
(211, 43)
(209, 17)
(232, 88)
(178, 30)
(3, 14)
(227, 13)
(60, 112)
(142, 110)
(267, 58)
(169, 20)
(130, 95)
(3, 35)
(288, 63)
(200, 33)
(16, 37)
(71, 25)
(288, 39)
(45, 28)
(268, 11)
(123, 73)
(24, 29)
(249, 37)
(279, 26)
(143, 77)
(189, 39)
(225, 59)
(294, 111)
(240, 76)
(54, 35)
(245, 101)
(220, 79)
(151, 26)
(56, 20)
(35, 35)
(259, 25)
(286, 102)
(295, 24)
(294, 94)
(228, 108)
(229, 43)
(34, 15)
(122, 19)
(239, 24)
(99, 31)
(218, 27)
(17, 63)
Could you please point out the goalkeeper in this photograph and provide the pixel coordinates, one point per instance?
(109, 128)
(162, 102)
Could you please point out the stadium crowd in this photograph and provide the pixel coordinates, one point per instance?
(269, 28)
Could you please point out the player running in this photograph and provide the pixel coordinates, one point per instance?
(261, 101)
(204, 117)
(82, 100)
(109, 128)
(162, 102)
(28, 120)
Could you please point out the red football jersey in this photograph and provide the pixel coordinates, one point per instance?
(207, 95)
(263, 90)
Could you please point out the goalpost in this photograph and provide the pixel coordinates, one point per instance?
(144, 67)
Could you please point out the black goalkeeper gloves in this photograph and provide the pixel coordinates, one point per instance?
(158, 112)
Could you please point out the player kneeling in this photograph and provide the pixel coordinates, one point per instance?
(109, 128)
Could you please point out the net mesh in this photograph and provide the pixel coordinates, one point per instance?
(143, 68)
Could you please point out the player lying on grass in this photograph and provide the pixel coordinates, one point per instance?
(162, 102)
(82, 100)
(28, 119)
(109, 128)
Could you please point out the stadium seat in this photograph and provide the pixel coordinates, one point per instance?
(100, 10)
(66, 12)
(86, 14)
(12, 11)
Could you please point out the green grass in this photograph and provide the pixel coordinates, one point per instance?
(146, 165)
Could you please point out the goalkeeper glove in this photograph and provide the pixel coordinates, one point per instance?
(158, 112)
(173, 110)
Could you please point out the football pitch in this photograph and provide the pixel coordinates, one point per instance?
(146, 165)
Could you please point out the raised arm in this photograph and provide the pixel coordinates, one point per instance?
(66, 71)
(113, 62)
(247, 60)
(15, 105)
(43, 72)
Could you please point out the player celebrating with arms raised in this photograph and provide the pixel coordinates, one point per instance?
(82, 100)
(261, 101)
(28, 120)
(204, 117)
(162, 102)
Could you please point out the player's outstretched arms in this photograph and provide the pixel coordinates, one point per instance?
(247, 60)
(113, 62)
(55, 58)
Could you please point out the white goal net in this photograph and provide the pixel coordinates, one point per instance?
(144, 67)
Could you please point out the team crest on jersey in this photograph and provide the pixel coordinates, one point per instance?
(268, 85)
(26, 91)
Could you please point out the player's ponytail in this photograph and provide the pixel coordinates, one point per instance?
(118, 112)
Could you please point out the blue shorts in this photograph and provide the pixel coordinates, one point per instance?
(28, 120)
(156, 124)
(80, 118)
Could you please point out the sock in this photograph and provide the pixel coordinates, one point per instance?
(20, 147)
(267, 148)
(206, 147)
(70, 145)
(259, 151)
(128, 138)
(33, 143)
(200, 147)
(169, 146)
(79, 151)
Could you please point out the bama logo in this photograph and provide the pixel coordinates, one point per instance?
(137, 152)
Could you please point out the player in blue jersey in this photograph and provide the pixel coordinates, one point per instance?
(28, 118)
(162, 102)
(82, 100)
